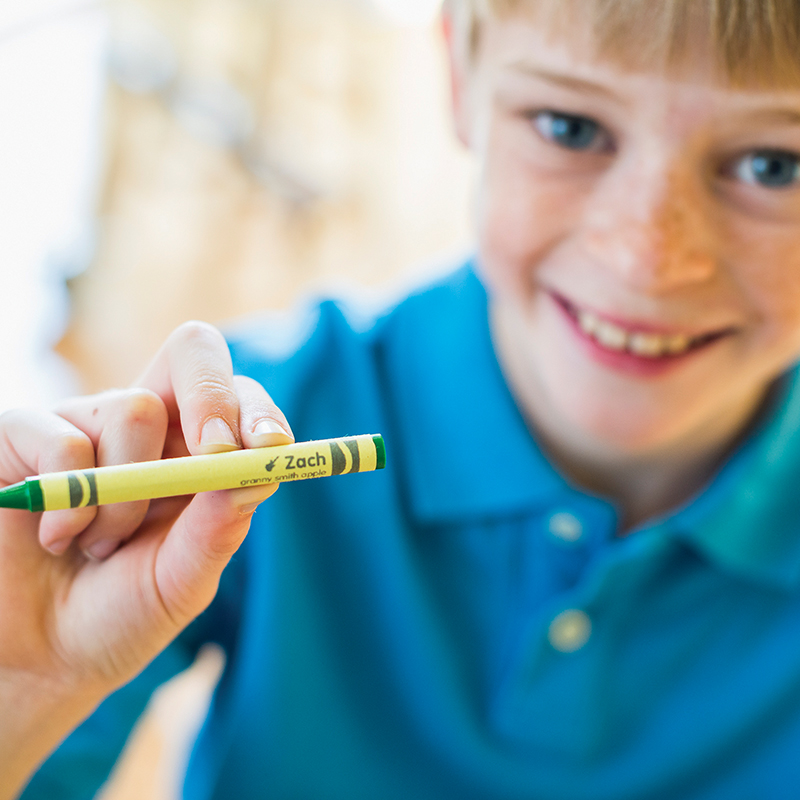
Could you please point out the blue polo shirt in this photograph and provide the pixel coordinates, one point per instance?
(467, 624)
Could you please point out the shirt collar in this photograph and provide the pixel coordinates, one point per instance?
(467, 448)
(748, 519)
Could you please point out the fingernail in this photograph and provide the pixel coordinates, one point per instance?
(217, 436)
(252, 497)
(268, 427)
(58, 548)
(249, 510)
(101, 549)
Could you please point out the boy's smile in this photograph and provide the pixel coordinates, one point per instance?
(639, 348)
(639, 235)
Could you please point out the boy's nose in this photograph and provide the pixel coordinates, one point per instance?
(652, 231)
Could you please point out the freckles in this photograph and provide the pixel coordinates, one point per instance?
(778, 297)
(765, 264)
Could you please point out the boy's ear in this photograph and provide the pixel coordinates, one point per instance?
(458, 51)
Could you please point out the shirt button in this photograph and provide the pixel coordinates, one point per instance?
(570, 630)
(566, 527)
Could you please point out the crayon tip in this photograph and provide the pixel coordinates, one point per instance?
(15, 496)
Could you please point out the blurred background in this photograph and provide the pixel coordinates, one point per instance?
(163, 160)
(172, 159)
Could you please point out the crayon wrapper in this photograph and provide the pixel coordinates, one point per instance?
(183, 476)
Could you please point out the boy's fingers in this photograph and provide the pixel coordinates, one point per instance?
(261, 422)
(213, 526)
(200, 544)
(193, 375)
(126, 426)
(119, 421)
(35, 442)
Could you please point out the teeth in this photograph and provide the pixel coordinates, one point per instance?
(610, 336)
(647, 345)
(679, 343)
(588, 322)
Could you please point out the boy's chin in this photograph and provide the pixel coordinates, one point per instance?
(614, 439)
(610, 428)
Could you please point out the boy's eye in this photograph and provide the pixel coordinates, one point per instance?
(575, 133)
(774, 169)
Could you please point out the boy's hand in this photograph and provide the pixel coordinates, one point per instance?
(89, 596)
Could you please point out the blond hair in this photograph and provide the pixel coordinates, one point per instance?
(755, 43)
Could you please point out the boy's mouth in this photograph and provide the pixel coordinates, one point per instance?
(648, 344)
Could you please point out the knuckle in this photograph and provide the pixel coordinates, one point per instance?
(211, 398)
(196, 332)
(210, 384)
(17, 418)
(215, 399)
(73, 447)
(143, 407)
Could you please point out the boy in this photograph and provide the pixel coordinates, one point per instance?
(579, 575)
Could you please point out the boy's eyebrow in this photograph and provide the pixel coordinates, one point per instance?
(581, 85)
(779, 115)
(775, 116)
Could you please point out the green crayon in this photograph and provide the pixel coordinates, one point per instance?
(172, 477)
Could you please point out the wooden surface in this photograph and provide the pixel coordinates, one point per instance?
(153, 763)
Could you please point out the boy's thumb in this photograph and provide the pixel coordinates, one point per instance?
(200, 545)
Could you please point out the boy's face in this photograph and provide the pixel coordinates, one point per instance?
(639, 236)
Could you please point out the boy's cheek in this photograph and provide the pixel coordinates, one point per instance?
(502, 261)
(514, 249)
(522, 218)
(507, 233)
